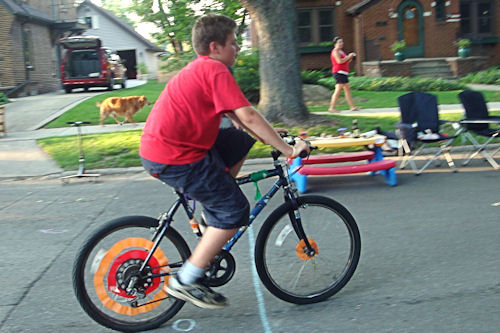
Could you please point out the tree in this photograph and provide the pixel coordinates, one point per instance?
(175, 18)
(276, 24)
(116, 7)
(281, 85)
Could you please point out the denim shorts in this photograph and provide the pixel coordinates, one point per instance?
(209, 182)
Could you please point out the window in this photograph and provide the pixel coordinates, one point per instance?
(440, 10)
(88, 21)
(304, 24)
(315, 25)
(92, 21)
(325, 25)
(476, 18)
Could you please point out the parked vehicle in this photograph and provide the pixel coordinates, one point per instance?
(88, 64)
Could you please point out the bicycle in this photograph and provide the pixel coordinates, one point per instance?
(306, 251)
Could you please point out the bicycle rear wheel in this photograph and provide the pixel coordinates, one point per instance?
(111, 257)
(288, 271)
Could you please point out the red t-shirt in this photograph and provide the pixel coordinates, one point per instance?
(184, 121)
(339, 67)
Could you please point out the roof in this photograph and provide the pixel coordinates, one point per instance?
(360, 7)
(20, 9)
(125, 26)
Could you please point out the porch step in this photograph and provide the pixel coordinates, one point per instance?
(432, 69)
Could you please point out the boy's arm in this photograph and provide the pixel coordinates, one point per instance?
(257, 125)
(235, 119)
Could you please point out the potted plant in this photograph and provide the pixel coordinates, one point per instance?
(398, 47)
(142, 71)
(463, 46)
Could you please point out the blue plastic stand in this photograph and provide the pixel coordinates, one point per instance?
(299, 179)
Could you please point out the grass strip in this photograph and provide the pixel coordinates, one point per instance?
(120, 149)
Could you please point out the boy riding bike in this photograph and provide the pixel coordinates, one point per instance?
(183, 146)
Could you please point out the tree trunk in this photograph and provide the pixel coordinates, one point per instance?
(281, 83)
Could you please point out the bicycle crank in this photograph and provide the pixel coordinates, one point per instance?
(221, 270)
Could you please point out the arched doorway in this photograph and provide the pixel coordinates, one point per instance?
(411, 28)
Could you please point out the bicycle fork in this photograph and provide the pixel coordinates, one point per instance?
(296, 220)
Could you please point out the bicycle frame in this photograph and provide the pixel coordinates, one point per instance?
(290, 196)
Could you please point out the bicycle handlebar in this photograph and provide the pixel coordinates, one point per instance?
(291, 141)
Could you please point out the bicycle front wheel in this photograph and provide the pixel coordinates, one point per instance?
(285, 267)
(108, 263)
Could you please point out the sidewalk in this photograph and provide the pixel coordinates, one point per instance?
(21, 157)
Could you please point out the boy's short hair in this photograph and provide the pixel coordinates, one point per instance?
(211, 28)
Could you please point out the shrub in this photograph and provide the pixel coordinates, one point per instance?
(396, 84)
(488, 76)
(3, 99)
(246, 73)
(177, 61)
(142, 68)
(312, 77)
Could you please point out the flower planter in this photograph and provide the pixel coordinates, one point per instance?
(399, 56)
(463, 52)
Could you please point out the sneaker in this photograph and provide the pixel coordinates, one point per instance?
(196, 293)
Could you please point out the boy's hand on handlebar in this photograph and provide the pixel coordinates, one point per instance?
(301, 148)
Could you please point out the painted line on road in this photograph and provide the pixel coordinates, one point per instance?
(256, 284)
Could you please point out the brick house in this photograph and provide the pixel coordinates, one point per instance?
(429, 27)
(28, 53)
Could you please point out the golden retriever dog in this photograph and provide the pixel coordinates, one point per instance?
(121, 106)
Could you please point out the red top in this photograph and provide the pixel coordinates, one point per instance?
(339, 67)
(184, 121)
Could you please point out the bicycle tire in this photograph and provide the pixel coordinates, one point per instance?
(281, 261)
(100, 261)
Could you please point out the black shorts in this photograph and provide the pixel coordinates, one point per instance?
(233, 144)
(209, 182)
(340, 78)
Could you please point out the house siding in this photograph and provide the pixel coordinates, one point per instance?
(7, 77)
(37, 21)
(108, 31)
(44, 74)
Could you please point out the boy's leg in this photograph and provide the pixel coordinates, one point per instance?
(185, 286)
(235, 169)
(210, 245)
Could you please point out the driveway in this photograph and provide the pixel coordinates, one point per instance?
(33, 112)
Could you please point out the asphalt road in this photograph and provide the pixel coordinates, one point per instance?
(429, 263)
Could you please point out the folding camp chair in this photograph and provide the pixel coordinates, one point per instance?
(477, 120)
(420, 126)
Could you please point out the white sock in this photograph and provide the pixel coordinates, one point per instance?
(189, 273)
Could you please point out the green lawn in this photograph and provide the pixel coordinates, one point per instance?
(120, 149)
(88, 111)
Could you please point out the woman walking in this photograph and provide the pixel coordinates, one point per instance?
(340, 70)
